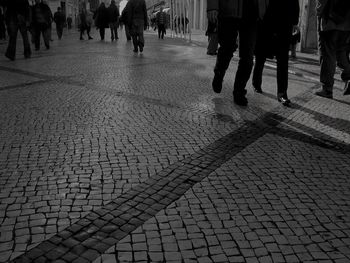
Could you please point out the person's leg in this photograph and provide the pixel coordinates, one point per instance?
(343, 58)
(141, 40)
(247, 40)
(115, 25)
(112, 30)
(46, 35)
(258, 72)
(227, 37)
(12, 29)
(327, 42)
(26, 45)
(37, 35)
(282, 55)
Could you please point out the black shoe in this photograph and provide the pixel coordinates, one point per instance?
(257, 89)
(283, 99)
(141, 49)
(12, 58)
(324, 94)
(81, 38)
(240, 100)
(135, 50)
(217, 82)
(347, 88)
(90, 38)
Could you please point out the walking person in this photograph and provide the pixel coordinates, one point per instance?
(17, 19)
(137, 22)
(113, 12)
(60, 20)
(235, 17)
(82, 22)
(275, 32)
(69, 22)
(89, 22)
(334, 32)
(161, 18)
(2, 24)
(101, 19)
(49, 17)
(41, 23)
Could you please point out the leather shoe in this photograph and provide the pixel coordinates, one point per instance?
(324, 94)
(257, 89)
(217, 82)
(240, 100)
(284, 100)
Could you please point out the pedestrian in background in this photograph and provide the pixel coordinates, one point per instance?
(334, 32)
(161, 23)
(235, 17)
(60, 20)
(101, 19)
(212, 33)
(17, 19)
(69, 22)
(41, 19)
(2, 24)
(275, 32)
(113, 12)
(137, 21)
(89, 22)
(82, 22)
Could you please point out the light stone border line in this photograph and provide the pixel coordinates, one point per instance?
(92, 235)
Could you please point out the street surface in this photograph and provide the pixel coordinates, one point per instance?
(109, 156)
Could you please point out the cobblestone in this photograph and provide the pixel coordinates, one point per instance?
(136, 159)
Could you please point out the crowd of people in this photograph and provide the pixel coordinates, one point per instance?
(261, 29)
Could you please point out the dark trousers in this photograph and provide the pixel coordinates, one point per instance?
(127, 32)
(13, 27)
(228, 30)
(45, 31)
(330, 43)
(102, 33)
(59, 30)
(137, 34)
(161, 31)
(282, 38)
(114, 30)
(212, 43)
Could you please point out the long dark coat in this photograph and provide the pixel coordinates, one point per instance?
(102, 17)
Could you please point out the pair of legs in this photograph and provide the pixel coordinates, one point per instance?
(13, 26)
(127, 32)
(282, 41)
(41, 29)
(114, 30)
(161, 31)
(137, 35)
(59, 31)
(228, 31)
(102, 33)
(333, 45)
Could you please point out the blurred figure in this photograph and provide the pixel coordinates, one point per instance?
(137, 22)
(50, 17)
(17, 19)
(60, 20)
(89, 22)
(113, 12)
(124, 20)
(41, 19)
(2, 25)
(274, 38)
(212, 33)
(82, 22)
(334, 33)
(69, 22)
(161, 23)
(101, 19)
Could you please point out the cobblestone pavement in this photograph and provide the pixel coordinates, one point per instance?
(110, 156)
